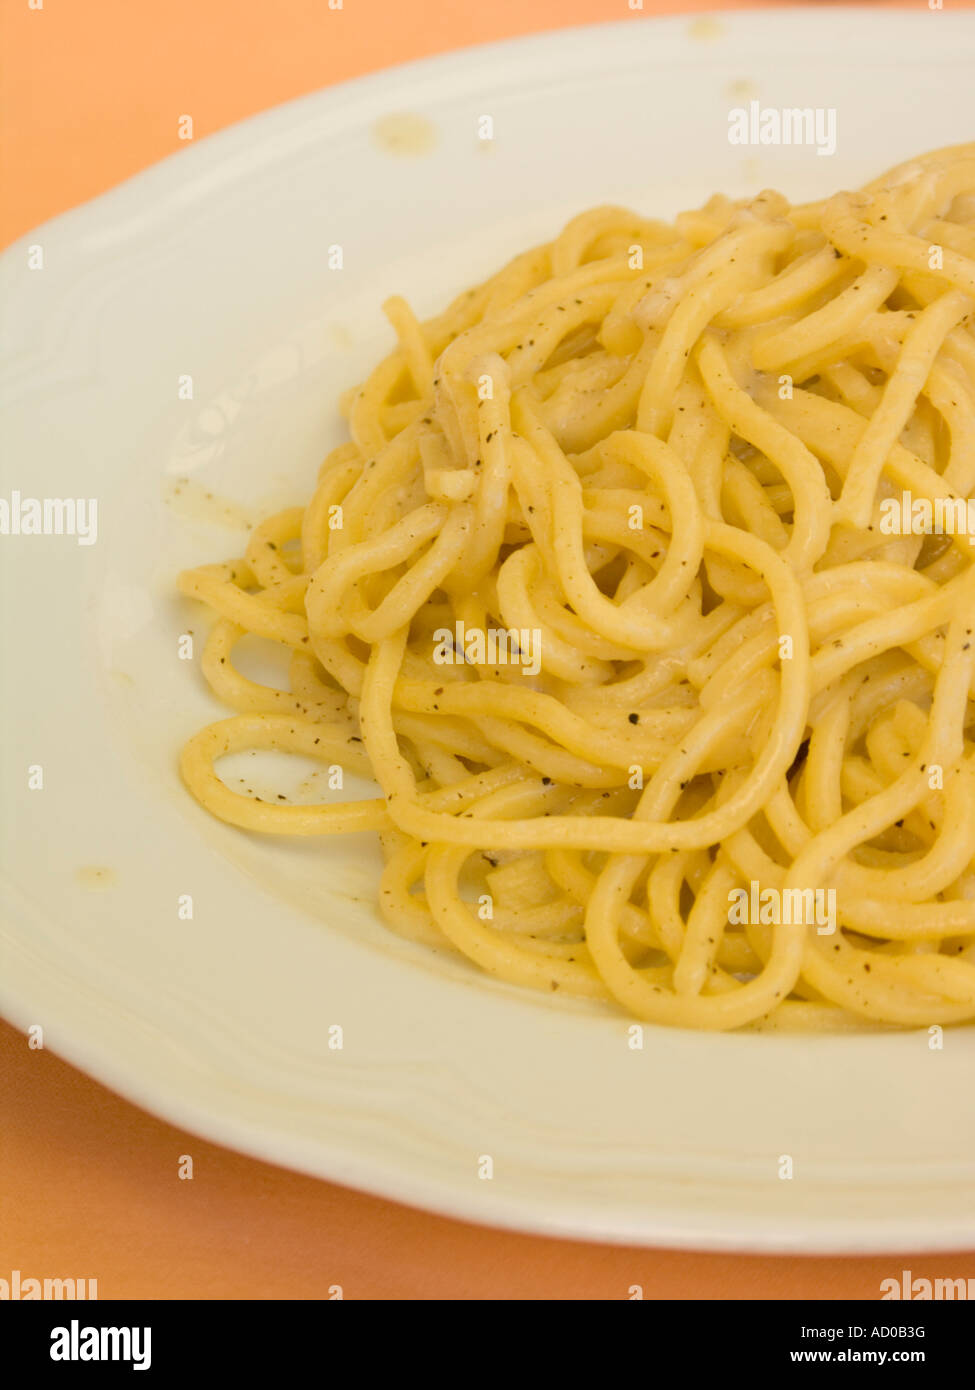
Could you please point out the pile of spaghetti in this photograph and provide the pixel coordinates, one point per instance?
(665, 463)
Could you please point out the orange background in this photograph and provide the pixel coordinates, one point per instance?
(91, 93)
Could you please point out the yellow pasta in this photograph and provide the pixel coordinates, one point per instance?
(611, 593)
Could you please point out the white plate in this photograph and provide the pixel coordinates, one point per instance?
(213, 265)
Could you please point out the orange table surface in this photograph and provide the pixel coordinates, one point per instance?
(88, 1183)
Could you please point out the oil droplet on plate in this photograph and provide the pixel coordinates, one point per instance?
(705, 28)
(341, 336)
(191, 501)
(96, 877)
(405, 133)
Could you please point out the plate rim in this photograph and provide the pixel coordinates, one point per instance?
(218, 143)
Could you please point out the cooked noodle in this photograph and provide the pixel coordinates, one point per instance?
(606, 596)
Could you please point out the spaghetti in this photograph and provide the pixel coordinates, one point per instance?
(605, 594)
